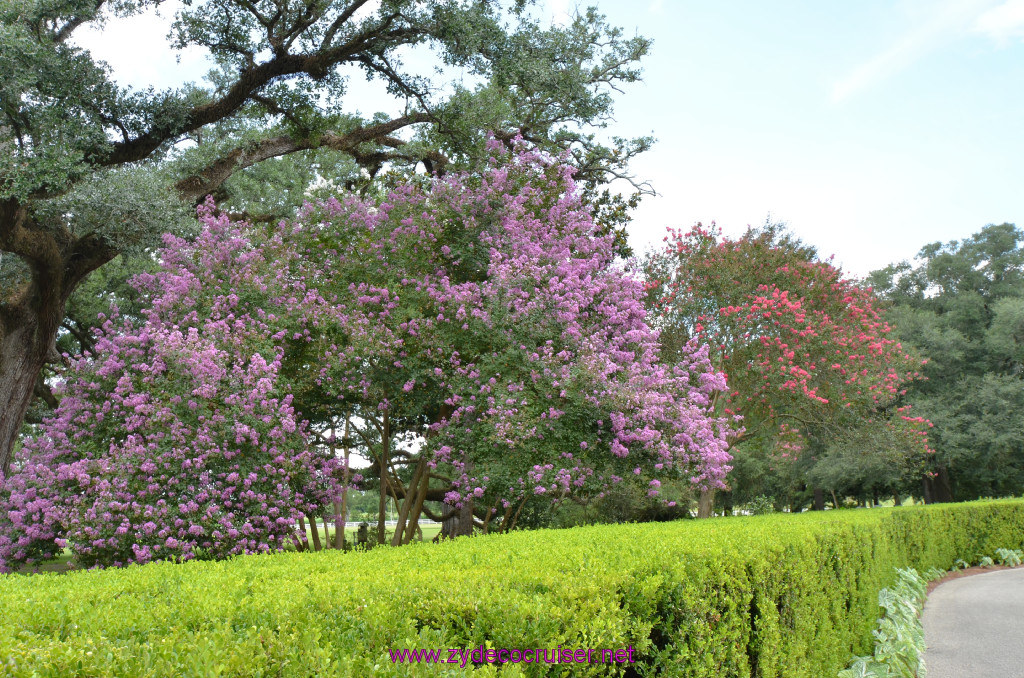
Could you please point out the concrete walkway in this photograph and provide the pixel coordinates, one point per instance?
(974, 627)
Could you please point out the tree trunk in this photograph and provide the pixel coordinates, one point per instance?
(465, 525)
(31, 315)
(835, 501)
(382, 505)
(939, 489)
(448, 523)
(896, 499)
(411, 494)
(385, 461)
(20, 363)
(314, 531)
(341, 512)
(819, 499)
(461, 523)
(705, 503)
(417, 509)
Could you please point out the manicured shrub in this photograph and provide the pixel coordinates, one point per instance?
(771, 596)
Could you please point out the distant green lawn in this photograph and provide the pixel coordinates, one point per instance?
(430, 530)
(61, 563)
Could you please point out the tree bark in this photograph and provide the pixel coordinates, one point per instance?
(417, 509)
(460, 522)
(340, 512)
(385, 462)
(407, 503)
(20, 364)
(819, 499)
(314, 531)
(30, 317)
(465, 524)
(706, 503)
(835, 500)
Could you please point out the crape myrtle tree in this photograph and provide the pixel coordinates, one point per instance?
(90, 169)
(483, 314)
(962, 303)
(513, 333)
(176, 436)
(808, 354)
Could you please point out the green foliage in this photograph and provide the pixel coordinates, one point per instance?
(761, 505)
(1009, 557)
(900, 636)
(622, 503)
(791, 596)
(962, 305)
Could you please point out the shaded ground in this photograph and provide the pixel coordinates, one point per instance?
(974, 625)
(66, 563)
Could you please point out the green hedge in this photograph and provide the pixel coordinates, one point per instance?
(782, 595)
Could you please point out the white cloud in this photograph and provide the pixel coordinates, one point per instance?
(139, 53)
(949, 19)
(559, 12)
(1003, 23)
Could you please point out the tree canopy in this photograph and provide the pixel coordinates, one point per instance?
(962, 304)
(810, 357)
(90, 169)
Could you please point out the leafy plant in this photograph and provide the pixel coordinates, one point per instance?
(1009, 557)
(761, 505)
(899, 636)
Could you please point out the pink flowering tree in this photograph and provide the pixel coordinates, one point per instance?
(177, 437)
(489, 316)
(482, 317)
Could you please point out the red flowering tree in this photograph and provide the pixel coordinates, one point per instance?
(808, 354)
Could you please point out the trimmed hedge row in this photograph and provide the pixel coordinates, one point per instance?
(784, 596)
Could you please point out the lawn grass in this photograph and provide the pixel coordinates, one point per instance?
(429, 530)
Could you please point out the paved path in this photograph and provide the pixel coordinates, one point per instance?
(974, 627)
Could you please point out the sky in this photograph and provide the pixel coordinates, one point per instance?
(871, 128)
